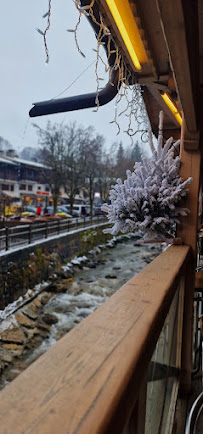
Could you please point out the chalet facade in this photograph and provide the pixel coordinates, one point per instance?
(28, 182)
(24, 181)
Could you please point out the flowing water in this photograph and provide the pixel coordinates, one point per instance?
(94, 279)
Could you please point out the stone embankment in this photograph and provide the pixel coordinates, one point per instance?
(25, 329)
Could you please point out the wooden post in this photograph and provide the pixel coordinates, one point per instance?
(190, 166)
(46, 230)
(137, 421)
(7, 237)
(30, 234)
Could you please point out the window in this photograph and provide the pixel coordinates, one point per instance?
(47, 189)
(29, 187)
(12, 187)
(5, 187)
(39, 188)
(22, 187)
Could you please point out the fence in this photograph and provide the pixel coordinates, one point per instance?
(23, 234)
(117, 369)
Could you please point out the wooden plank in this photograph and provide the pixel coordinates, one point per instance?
(192, 141)
(156, 93)
(137, 419)
(147, 66)
(190, 166)
(90, 380)
(182, 50)
(198, 280)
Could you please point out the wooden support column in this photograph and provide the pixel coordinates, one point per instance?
(137, 420)
(190, 166)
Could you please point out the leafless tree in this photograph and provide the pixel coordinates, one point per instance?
(93, 160)
(52, 153)
(75, 166)
(106, 176)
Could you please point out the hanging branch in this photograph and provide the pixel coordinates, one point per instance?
(135, 108)
(44, 34)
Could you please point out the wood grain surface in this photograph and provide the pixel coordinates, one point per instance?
(89, 381)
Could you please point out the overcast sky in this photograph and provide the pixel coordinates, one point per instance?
(25, 77)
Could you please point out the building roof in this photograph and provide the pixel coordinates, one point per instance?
(26, 162)
(4, 160)
(20, 161)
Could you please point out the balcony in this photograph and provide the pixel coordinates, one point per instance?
(120, 369)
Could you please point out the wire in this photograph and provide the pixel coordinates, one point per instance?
(74, 80)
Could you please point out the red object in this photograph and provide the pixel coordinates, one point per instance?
(39, 210)
(44, 193)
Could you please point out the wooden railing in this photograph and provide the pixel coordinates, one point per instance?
(94, 379)
(19, 235)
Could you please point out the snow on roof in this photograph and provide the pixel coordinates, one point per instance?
(29, 163)
(4, 160)
(16, 160)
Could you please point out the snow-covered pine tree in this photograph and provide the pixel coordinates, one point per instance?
(149, 199)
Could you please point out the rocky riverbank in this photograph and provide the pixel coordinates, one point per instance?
(70, 295)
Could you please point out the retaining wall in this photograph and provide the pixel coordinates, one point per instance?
(27, 266)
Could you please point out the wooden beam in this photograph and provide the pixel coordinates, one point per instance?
(190, 166)
(156, 94)
(168, 132)
(198, 280)
(148, 67)
(191, 141)
(89, 381)
(183, 53)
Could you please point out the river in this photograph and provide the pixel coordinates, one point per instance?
(76, 292)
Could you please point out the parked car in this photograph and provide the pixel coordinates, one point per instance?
(60, 211)
(79, 211)
(65, 208)
(31, 209)
(98, 210)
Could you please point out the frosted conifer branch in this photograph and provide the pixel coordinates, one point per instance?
(149, 198)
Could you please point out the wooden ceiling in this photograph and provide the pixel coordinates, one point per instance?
(170, 31)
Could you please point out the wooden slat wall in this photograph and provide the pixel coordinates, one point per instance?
(89, 381)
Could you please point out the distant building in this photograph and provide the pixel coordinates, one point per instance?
(27, 182)
(23, 180)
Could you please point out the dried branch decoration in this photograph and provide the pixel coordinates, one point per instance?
(129, 93)
(135, 109)
(149, 199)
(44, 34)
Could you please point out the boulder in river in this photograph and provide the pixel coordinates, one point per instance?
(49, 318)
(110, 276)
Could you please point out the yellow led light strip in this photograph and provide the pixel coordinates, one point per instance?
(126, 24)
(172, 107)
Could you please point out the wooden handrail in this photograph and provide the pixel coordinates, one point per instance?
(89, 381)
